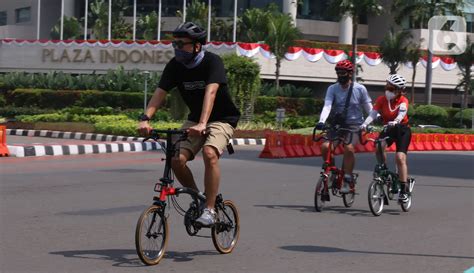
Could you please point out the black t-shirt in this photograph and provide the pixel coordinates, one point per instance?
(192, 83)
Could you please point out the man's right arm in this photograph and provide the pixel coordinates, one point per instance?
(328, 100)
(154, 104)
(156, 101)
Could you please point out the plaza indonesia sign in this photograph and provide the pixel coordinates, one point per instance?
(105, 56)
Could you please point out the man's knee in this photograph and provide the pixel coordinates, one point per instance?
(349, 149)
(210, 154)
(179, 162)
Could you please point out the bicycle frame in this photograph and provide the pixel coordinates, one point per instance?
(166, 188)
(329, 167)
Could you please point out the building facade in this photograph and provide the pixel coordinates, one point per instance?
(21, 19)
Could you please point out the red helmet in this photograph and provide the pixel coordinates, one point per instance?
(345, 65)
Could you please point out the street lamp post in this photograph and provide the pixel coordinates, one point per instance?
(146, 73)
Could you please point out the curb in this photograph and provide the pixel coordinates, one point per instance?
(132, 144)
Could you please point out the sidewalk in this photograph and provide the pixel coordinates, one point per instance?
(87, 143)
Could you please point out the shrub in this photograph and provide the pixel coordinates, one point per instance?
(430, 114)
(11, 112)
(467, 116)
(300, 106)
(287, 90)
(60, 99)
(243, 76)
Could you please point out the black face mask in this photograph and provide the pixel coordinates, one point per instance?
(343, 79)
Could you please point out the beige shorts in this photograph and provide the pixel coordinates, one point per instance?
(219, 135)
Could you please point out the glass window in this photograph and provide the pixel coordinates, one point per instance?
(470, 22)
(23, 15)
(314, 10)
(3, 18)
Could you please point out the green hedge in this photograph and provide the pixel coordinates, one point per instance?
(430, 114)
(52, 99)
(300, 106)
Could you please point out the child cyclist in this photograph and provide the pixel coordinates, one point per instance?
(393, 108)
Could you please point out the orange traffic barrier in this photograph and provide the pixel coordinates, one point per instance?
(426, 143)
(435, 140)
(273, 146)
(288, 146)
(316, 147)
(456, 142)
(307, 143)
(3, 141)
(466, 143)
(416, 143)
(297, 145)
(445, 142)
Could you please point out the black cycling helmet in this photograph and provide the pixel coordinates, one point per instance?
(192, 31)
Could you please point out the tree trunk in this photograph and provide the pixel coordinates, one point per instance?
(413, 84)
(277, 73)
(354, 46)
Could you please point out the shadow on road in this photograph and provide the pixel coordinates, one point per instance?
(128, 257)
(323, 249)
(330, 209)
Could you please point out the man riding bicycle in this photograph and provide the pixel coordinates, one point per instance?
(201, 80)
(393, 108)
(347, 113)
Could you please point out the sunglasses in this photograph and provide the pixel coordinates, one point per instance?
(341, 72)
(390, 87)
(180, 44)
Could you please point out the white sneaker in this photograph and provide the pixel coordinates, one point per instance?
(207, 218)
(346, 188)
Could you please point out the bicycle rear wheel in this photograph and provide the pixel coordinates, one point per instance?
(376, 197)
(151, 235)
(319, 193)
(348, 198)
(225, 231)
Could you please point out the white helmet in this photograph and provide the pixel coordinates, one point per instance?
(397, 80)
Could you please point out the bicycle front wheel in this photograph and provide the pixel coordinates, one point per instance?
(376, 197)
(151, 235)
(319, 194)
(225, 232)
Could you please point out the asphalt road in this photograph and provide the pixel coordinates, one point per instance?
(78, 214)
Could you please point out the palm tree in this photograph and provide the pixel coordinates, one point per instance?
(281, 35)
(71, 29)
(418, 14)
(99, 15)
(148, 24)
(413, 56)
(394, 49)
(356, 9)
(196, 12)
(255, 22)
(465, 61)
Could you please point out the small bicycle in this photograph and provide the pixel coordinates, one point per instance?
(151, 234)
(332, 177)
(385, 185)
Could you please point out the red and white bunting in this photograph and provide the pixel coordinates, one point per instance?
(372, 58)
(293, 53)
(332, 56)
(448, 63)
(248, 50)
(313, 54)
(435, 63)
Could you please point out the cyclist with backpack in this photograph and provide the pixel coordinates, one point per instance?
(393, 108)
(344, 101)
(201, 80)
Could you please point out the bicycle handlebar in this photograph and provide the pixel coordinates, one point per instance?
(155, 134)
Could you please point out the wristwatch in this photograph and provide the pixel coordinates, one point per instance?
(143, 117)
